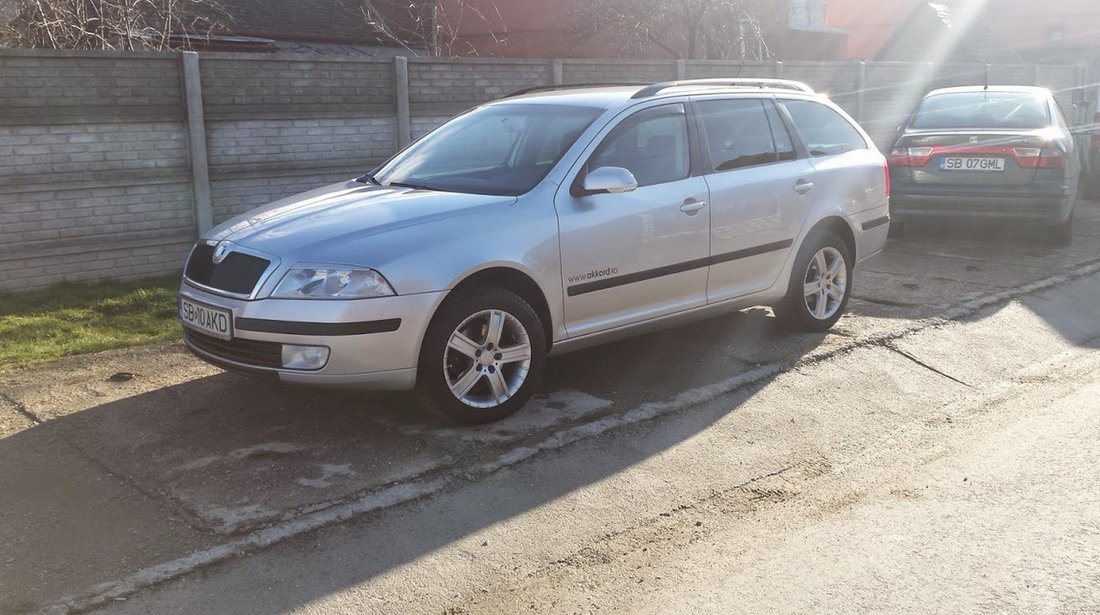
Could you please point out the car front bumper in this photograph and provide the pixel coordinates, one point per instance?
(372, 343)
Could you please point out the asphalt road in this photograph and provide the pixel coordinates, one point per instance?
(721, 467)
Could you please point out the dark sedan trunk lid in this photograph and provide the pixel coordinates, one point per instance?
(987, 158)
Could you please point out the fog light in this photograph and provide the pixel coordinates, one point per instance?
(304, 357)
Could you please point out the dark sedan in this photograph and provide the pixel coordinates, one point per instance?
(987, 153)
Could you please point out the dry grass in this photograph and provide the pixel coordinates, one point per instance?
(79, 318)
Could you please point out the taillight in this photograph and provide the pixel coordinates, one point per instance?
(1038, 158)
(910, 156)
(1096, 130)
(886, 172)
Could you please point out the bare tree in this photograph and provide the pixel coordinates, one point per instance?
(683, 29)
(110, 24)
(437, 27)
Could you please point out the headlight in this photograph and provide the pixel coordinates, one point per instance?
(311, 283)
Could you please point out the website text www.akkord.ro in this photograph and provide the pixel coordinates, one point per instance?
(594, 274)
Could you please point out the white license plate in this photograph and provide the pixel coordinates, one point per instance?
(957, 163)
(208, 319)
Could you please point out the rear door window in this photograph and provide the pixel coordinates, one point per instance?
(740, 133)
(825, 131)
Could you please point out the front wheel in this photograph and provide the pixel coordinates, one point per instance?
(821, 282)
(482, 357)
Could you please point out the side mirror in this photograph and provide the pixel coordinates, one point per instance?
(614, 180)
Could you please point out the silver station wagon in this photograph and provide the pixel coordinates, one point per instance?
(548, 221)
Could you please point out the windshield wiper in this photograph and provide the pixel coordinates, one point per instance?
(410, 186)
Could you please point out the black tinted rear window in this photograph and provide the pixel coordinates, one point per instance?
(976, 110)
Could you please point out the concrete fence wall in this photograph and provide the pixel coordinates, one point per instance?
(111, 164)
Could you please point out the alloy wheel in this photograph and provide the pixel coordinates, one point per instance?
(487, 358)
(825, 283)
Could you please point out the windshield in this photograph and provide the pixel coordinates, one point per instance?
(500, 150)
(976, 110)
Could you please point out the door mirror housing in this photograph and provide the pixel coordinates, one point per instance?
(613, 180)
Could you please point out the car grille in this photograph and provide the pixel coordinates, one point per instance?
(247, 352)
(238, 273)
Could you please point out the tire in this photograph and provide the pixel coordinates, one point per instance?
(1062, 234)
(463, 373)
(800, 312)
(1092, 185)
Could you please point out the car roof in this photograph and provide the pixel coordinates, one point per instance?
(978, 89)
(614, 96)
(605, 97)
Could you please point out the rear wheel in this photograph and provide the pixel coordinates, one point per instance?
(897, 229)
(820, 284)
(1092, 185)
(1062, 234)
(482, 356)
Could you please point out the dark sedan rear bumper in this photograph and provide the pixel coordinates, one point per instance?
(1052, 204)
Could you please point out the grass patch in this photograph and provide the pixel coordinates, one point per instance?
(77, 318)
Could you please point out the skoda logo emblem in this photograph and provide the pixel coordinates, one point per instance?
(220, 252)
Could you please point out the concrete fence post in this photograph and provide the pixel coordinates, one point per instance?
(1037, 74)
(861, 88)
(1085, 112)
(681, 70)
(929, 78)
(779, 70)
(401, 100)
(557, 72)
(196, 137)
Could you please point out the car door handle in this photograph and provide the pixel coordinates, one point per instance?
(802, 186)
(690, 207)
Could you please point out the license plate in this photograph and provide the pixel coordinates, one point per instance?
(956, 163)
(208, 319)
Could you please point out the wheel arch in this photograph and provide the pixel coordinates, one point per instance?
(839, 227)
(517, 282)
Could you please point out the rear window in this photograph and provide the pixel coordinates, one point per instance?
(976, 110)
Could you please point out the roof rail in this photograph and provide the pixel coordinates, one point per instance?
(570, 86)
(742, 82)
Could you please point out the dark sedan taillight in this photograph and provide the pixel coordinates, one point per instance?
(1039, 157)
(910, 156)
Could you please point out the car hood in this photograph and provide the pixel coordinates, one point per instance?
(313, 225)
